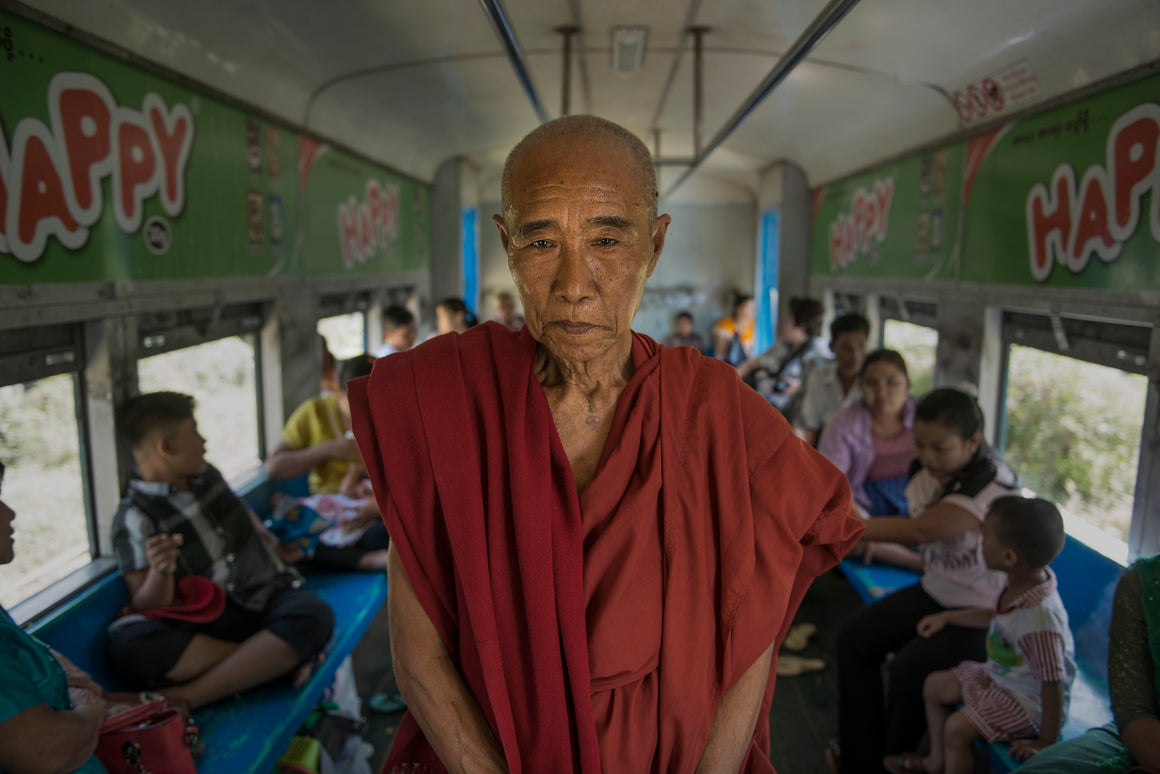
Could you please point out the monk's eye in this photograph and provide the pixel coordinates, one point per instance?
(605, 242)
(541, 244)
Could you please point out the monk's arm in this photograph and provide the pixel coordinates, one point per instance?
(736, 719)
(438, 698)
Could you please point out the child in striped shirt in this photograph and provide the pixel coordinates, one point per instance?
(1021, 693)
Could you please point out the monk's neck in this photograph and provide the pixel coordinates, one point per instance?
(609, 372)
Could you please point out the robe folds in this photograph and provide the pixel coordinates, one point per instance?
(599, 630)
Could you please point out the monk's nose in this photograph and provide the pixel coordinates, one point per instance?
(574, 280)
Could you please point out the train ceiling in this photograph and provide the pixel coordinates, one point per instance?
(413, 84)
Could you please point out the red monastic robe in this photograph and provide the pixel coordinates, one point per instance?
(599, 630)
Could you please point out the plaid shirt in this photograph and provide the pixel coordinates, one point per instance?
(219, 539)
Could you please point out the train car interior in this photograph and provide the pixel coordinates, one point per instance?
(225, 199)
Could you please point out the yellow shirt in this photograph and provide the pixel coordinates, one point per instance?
(312, 423)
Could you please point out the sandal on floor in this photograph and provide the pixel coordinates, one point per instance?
(907, 763)
(387, 703)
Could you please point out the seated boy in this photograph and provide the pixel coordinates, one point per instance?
(1021, 693)
(180, 518)
(317, 440)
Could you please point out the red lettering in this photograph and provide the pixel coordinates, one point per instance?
(1091, 227)
(41, 193)
(1133, 161)
(174, 146)
(378, 206)
(348, 232)
(136, 178)
(366, 233)
(836, 261)
(1048, 226)
(883, 198)
(391, 213)
(84, 124)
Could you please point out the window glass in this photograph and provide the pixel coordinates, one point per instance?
(1072, 432)
(40, 448)
(345, 334)
(220, 375)
(916, 344)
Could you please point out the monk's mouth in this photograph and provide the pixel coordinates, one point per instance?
(575, 329)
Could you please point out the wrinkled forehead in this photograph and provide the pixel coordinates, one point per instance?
(565, 165)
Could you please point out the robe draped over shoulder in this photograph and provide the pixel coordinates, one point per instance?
(597, 631)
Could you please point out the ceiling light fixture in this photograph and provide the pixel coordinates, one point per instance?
(628, 45)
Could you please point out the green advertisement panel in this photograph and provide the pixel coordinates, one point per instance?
(358, 217)
(1071, 197)
(108, 172)
(897, 221)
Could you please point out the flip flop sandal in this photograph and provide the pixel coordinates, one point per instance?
(910, 763)
(387, 703)
(799, 636)
(790, 665)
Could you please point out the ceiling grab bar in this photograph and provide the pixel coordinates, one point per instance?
(495, 11)
(813, 34)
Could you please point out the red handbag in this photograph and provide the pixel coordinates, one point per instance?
(196, 599)
(150, 738)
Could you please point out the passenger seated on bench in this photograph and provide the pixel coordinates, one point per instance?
(833, 386)
(317, 440)
(872, 441)
(1133, 683)
(1020, 694)
(50, 709)
(948, 498)
(179, 518)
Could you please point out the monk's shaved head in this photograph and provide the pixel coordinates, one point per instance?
(575, 132)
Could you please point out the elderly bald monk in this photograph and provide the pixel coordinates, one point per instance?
(596, 542)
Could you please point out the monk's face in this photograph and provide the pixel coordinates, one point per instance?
(581, 241)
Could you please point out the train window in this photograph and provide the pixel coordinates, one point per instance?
(916, 344)
(39, 446)
(345, 334)
(1072, 431)
(220, 374)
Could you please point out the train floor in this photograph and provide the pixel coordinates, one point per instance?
(802, 720)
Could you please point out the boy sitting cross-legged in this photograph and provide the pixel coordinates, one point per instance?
(178, 518)
(1021, 693)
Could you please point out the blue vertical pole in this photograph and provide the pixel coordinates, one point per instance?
(469, 250)
(765, 283)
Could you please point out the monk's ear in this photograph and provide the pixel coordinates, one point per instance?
(660, 228)
(503, 234)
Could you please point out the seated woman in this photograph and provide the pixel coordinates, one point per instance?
(50, 710)
(872, 442)
(777, 374)
(733, 336)
(1133, 740)
(317, 440)
(948, 500)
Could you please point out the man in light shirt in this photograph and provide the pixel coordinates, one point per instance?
(830, 387)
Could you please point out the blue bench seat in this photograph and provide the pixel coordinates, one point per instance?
(251, 731)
